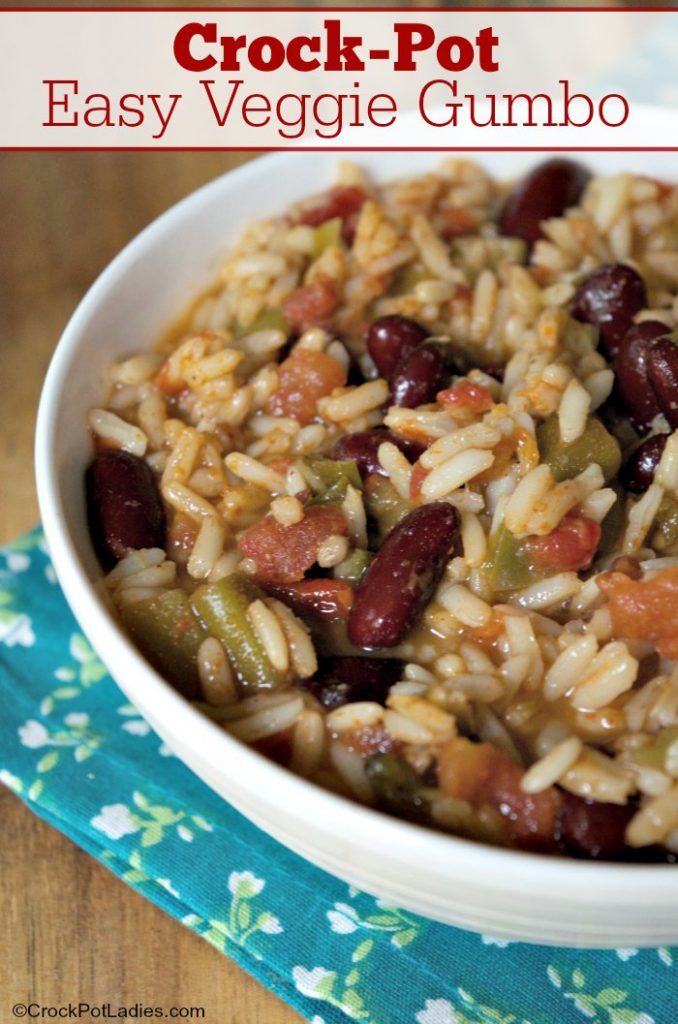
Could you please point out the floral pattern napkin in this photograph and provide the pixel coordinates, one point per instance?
(82, 757)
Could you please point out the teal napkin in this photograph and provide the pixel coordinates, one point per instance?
(82, 757)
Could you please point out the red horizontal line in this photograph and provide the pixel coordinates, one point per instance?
(336, 10)
(339, 149)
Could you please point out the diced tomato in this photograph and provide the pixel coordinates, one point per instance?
(419, 474)
(457, 221)
(569, 547)
(369, 740)
(343, 201)
(467, 398)
(312, 304)
(281, 464)
(282, 554)
(317, 599)
(480, 773)
(644, 609)
(303, 378)
(465, 768)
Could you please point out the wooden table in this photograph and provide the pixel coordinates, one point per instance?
(72, 931)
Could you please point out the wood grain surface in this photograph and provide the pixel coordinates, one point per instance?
(70, 930)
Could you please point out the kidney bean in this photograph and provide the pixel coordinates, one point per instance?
(593, 829)
(662, 369)
(632, 372)
(403, 575)
(609, 298)
(496, 370)
(390, 339)
(344, 680)
(419, 376)
(124, 506)
(318, 599)
(638, 471)
(547, 191)
(363, 447)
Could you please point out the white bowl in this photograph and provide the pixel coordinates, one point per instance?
(509, 894)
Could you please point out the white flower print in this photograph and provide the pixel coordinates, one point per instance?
(17, 630)
(489, 940)
(33, 735)
(17, 561)
(343, 919)
(166, 884)
(626, 954)
(438, 1011)
(244, 885)
(184, 833)
(269, 924)
(11, 781)
(136, 727)
(310, 983)
(115, 821)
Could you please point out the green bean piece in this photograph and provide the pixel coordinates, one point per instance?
(353, 568)
(397, 786)
(329, 479)
(169, 635)
(327, 233)
(596, 444)
(665, 534)
(507, 565)
(222, 607)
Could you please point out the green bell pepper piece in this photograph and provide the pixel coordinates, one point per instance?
(353, 568)
(665, 534)
(267, 320)
(507, 565)
(567, 460)
(384, 505)
(409, 277)
(329, 479)
(612, 526)
(222, 607)
(169, 635)
(397, 786)
(327, 233)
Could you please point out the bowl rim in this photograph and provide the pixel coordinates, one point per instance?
(500, 867)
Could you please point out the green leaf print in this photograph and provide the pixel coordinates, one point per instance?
(243, 916)
(36, 789)
(611, 996)
(164, 815)
(49, 761)
(363, 950)
(404, 938)
(152, 834)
